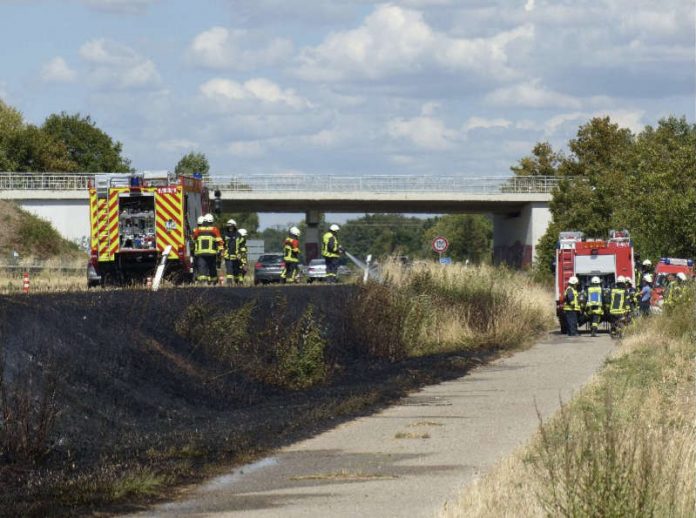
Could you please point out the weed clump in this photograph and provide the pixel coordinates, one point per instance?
(282, 353)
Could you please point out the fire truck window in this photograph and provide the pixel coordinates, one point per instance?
(136, 222)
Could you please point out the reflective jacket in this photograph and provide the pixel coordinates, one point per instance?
(617, 301)
(570, 300)
(207, 241)
(594, 299)
(231, 248)
(291, 250)
(329, 245)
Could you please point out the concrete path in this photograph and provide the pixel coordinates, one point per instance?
(409, 459)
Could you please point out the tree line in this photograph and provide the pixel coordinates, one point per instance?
(613, 178)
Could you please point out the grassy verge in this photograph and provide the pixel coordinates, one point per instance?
(430, 309)
(626, 446)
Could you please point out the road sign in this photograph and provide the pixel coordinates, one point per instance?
(445, 260)
(440, 245)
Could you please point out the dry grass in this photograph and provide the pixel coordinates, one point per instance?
(457, 307)
(626, 446)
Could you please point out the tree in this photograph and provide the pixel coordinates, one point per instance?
(11, 123)
(543, 161)
(33, 150)
(193, 163)
(383, 234)
(614, 179)
(87, 146)
(470, 236)
(246, 220)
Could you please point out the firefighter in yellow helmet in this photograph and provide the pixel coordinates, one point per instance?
(593, 303)
(331, 251)
(291, 256)
(571, 306)
(208, 244)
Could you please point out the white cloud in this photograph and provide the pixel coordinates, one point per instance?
(424, 131)
(483, 123)
(116, 66)
(626, 118)
(177, 144)
(220, 48)
(393, 41)
(256, 90)
(120, 6)
(57, 71)
(531, 94)
(529, 6)
(248, 149)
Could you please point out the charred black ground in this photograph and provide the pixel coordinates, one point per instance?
(140, 409)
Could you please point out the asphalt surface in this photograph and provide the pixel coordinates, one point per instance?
(413, 457)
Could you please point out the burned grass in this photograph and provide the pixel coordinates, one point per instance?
(152, 390)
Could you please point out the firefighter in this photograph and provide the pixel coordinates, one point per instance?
(646, 268)
(617, 305)
(208, 244)
(291, 256)
(241, 256)
(630, 303)
(331, 250)
(231, 254)
(645, 295)
(593, 303)
(571, 306)
(675, 290)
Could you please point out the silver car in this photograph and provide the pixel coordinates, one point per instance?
(316, 270)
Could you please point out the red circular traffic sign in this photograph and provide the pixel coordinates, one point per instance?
(440, 244)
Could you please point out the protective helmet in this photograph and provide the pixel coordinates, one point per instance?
(208, 218)
(200, 220)
(647, 277)
(573, 280)
(334, 228)
(647, 262)
(294, 231)
(620, 279)
(242, 232)
(628, 281)
(231, 223)
(681, 276)
(595, 280)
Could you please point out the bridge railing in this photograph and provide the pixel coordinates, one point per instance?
(313, 183)
(44, 181)
(385, 184)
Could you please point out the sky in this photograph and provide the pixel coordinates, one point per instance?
(347, 87)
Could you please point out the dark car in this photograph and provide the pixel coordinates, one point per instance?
(268, 268)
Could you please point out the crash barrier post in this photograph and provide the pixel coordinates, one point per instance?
(25, 282)
(148, 283)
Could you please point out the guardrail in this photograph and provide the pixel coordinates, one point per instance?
(313, 183)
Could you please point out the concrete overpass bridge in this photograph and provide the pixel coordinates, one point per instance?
(519, 205)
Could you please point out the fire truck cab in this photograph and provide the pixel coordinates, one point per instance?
(134, 218)
(587, 258)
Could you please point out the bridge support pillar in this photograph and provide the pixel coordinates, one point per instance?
(312, 218)
(515, 236)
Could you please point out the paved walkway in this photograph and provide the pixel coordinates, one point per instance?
(409, 459)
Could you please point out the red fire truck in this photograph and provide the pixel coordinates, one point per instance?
(587, 258)
(665, 267)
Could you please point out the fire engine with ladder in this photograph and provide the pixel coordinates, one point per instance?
(587, 258)
(135, 218)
